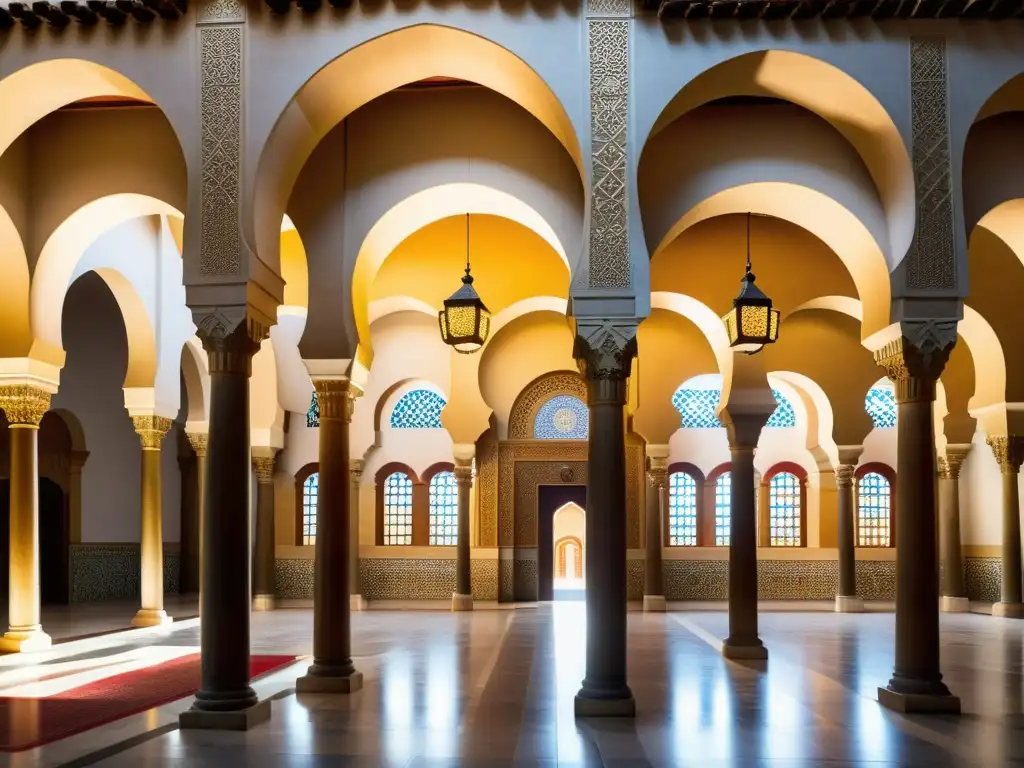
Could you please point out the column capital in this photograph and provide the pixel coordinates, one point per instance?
(914, 360)
(151, 430)
(264, 467)
(198, 441)
(604, 350)
(1009, 452)
(949, 465)
(844, 475)
(336, 397)
(231, 336)
(24, 404)
(657, 471)
(355, 469)
(464, 473)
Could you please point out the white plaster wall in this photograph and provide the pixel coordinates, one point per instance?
(880, 446)
(981, 496)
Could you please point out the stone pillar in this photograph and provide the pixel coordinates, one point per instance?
(462, 600)
(954, 588)
(914, 362)
(75, 467)
(605, 351)
(151, 431)
(356, 600)
(654, 593)
(847, 600)
(225, 699)
(744, 430)
(24, 406)
(1009, 452)
(264, 562)
(332, 670)
(191, 559)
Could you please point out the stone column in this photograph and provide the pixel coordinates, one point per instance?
(462, 600)
(151, 431)
(75, 467)
(356, 600)
(654, 593)
(744, 430)
(191, 560)
(1009, 452)
(332, 670)
(264, 562)
(954, 589)
(225, 699)
(847, 600)
(914, 362)
(24, 406)
(605, 352)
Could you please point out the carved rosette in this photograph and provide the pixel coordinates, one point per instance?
(198, 441)
(844, 475)
(1009, 452)
(151, 430)
(914, 361)
(336, 398)
(604, 352)
(264, 468)
(23, 404)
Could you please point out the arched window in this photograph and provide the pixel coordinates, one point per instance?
(313, 414)
(418, 409)
(783, 416)
(310, 494)
(723, 508)
(874, 507)
(785, 510)
(397, 509)
(563, 417)
(880, 404)
(682, 510)
(444, 510)
(699, 407)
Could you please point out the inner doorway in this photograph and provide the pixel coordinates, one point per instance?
(561, 508)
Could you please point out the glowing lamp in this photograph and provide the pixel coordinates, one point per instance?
(751, 323)
(465, 321)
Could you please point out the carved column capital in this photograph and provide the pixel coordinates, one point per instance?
(1009, 452)
(949, 465)
(231, 336)
(844, 475)
(198, 441)
(336, 398)
(151, 430)
(355, 470)
(657, 471)
(914, 360)
(604, 352)
(464, 474)
(24, 404)
(264, 467)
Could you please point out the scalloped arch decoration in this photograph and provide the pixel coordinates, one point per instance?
(538, 392)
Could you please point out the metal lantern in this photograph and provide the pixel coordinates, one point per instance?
(465, 321)
(752, 322)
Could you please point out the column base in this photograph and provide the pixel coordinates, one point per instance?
(849, 604)
(238, 720)
(1008, 610)
(747, 652)
(358, 603)
(462, 602)
(264, 602)
(322, 684)
(949, 604)
(25, 640)
(923, 703)
(654, 604)
(588, 707)
(148, 617)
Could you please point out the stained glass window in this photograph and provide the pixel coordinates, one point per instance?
(874, 499)
(880, 404)
(563, 417)
(444, 510)
(310, 494)
(313, 414)
(784, 510)
(699, 406)
(398, 509)
(723, 508)
(682, 510)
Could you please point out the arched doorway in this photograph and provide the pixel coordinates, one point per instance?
(560, 514)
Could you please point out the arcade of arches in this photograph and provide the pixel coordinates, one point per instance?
(222, 372)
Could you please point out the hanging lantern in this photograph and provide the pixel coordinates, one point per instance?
(752, 322)
(465, 321)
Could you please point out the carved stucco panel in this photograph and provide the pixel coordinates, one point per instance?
(534, 395)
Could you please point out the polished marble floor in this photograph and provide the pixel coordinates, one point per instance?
(495, 688)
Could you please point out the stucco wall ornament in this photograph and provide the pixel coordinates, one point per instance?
(535, 394)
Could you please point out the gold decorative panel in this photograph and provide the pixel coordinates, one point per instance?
(538, 392)
(487, 489)
(529, 476)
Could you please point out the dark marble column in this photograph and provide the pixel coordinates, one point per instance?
(1009, 452)
(332, 670)
(225, 699)
(264, 561)
(605, 353)
(654, 592)
(356, 601)
(914, 362)
(954, 587)
(462, 600)
(847, 600)
(191, 558)
(743, 642)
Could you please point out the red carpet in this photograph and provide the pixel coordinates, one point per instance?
(27, 723)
